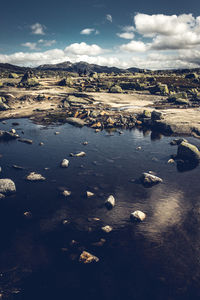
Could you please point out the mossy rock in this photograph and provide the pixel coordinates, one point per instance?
(116, 89)
(32, 82)
(146, 113)
(187, 151)
(159, 89)
(179, 98)
(1, 84)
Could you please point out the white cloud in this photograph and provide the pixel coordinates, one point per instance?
(31, 46)
(109, 18)
(87, 31)
(150, 25)
(126, 35)
(46, 43)
(37, 28)
(134, 46)
(83, 49)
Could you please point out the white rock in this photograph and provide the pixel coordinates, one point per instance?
(7, 186)
(64, 163)
(35, 177)
(89, 194)
(80, 154)
(110, 202)
(66, 193)
(137, 216)
(107, 228)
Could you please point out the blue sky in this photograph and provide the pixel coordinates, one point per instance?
(147, 34)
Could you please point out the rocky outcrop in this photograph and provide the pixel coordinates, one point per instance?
(7, 186)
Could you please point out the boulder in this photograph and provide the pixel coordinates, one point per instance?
(156, 115)
(87, 258)
(35, 177)
(110, 202)
(64, 163)
(75, 121)
(187, 151)
(116, 89)
(137, 216)
(148, 179)
(7, 186)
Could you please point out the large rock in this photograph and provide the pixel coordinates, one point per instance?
(187, 151)
(148, 179)
(75, 121)
(7, 186)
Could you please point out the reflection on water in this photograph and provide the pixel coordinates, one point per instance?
(156, 259)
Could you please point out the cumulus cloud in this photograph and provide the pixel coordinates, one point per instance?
(31, 46)
(83, 49)
(38, 28)
(87, 31)
(134, 46)
(109, 18)
(150, 25)
(126, 35)
(47, 43)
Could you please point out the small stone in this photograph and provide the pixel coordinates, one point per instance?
(87, 258)
(137, 216)
(85, 143)
(57, 132)
(80, 154)
(110, 202)
(89, 194)
(28, 214)
(17, 167)
(139, 148)
(13, 130)
(41, 144)
(171, 161)
(35, 177)
(107, 228)
(97, 130)
(93, 219)
(66, 193)
(26, 141)
(64, 163)
(65, 222)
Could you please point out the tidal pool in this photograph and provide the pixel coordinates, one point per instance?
(156, 259)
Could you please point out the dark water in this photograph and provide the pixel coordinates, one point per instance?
(157, 259)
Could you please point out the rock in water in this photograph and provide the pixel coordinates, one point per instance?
(75, 121)
(35, 177)
(149, 179)
(7, 186)
(5, 135)
(2, 196)
(89, 194)
(26, 141)
(64, 163)
(66, 193)
(110, 202)
(107, 228)
(80, 154)
(87, 258)
(137, 216)
(187, 151)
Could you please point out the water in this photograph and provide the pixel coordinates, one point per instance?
(156, 259)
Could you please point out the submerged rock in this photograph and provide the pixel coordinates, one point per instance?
(26, 141)
(7, 186)
(2, 196)
(110, 202)
(87, 258)
(187, 151)
(5, 135)
(64, 163)
(137, 216)
(35, 177)
(148, 179)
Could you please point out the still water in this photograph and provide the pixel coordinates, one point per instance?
(158, 259)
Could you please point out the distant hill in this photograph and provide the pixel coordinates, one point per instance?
(12, 68)
(82, 67)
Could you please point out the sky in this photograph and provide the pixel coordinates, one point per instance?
(146, 34)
